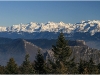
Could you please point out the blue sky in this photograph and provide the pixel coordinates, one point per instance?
(16, 12)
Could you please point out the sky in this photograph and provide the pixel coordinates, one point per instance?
(16, 12)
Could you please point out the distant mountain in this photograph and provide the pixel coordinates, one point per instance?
(84, 26)
(17, 49)
(85, 30)
(47, 44)
(79, 52)
(79, 47)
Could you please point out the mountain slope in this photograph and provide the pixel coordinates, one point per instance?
(17, 49)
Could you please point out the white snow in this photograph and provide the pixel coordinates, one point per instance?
(2, 29)
(84, 26)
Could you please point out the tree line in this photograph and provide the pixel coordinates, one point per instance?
(61, 65)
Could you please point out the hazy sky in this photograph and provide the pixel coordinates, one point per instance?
(16, 12)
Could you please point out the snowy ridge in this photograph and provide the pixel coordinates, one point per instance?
(84, 26)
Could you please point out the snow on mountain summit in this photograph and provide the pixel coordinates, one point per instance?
(84, 26)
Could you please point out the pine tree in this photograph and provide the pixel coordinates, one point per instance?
(26, 67)
(62, 52)
(72, 66)
(40, 65)
(98, 66)
(87, 67)
(2, 69)
(92, 69)
(11, 67)
(81, 67)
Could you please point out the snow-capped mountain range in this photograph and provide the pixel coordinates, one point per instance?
(84, 26)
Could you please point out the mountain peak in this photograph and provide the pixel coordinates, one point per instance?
(91, 26)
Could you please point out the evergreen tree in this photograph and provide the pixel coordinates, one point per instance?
(72, 66)
(87, 67)
(2, 69)
(26, 67)
(81, 67)
(98, 66)
(11, 67)
(40, 65)
(92, 68)
(62, 52)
